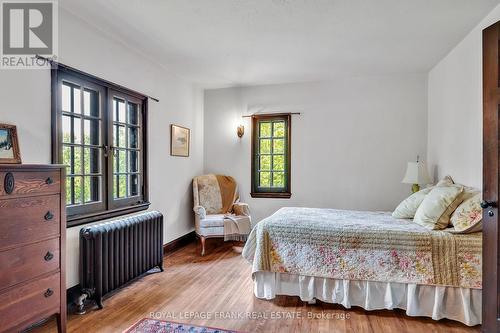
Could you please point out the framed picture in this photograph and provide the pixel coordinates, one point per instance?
(9, 146)
(179, 140)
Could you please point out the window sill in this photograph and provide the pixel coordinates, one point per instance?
(273, 195)
(76, 220)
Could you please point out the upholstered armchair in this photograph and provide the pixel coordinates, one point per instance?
(217, 210)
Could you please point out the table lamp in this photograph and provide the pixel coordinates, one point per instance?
(416, 174)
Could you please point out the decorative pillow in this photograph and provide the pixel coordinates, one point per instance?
(467, 217)
(467, 193)
(446, 181)
(434, 212)
(407, 208)
(478, 227)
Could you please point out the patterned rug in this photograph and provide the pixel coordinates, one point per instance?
(148, 325)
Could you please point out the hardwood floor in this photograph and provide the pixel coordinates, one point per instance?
(193, 288)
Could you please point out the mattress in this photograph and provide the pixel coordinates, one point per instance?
(364, 246)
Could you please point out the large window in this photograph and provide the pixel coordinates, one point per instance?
(99, 134)
(271, 156)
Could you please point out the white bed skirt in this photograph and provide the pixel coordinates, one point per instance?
(437, 302)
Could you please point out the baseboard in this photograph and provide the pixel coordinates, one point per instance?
(179, 243)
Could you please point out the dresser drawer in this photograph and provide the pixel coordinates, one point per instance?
(30, 302)
(18, 183)
(26, 220)
(24, 263)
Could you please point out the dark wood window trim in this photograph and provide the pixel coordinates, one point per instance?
(109, 207)
(271, 192)
(491, 180)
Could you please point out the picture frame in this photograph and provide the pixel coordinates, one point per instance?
(9, 145)
(180, 140)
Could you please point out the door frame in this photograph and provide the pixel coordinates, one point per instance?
(491, 103)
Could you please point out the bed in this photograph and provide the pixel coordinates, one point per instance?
(367, 259)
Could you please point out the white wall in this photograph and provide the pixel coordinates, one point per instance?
(455, 110)
(25, 96)
(350, 145)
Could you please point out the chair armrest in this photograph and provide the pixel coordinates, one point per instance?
(242, 209)
(200, 211)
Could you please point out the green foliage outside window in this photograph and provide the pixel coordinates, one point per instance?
(271, 150)
(82, 183)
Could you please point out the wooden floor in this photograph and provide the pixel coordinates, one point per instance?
(206, 290)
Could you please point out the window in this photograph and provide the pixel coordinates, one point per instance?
(99, 134)
(271, 156)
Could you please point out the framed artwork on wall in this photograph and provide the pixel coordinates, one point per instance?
(9, 145)
(179, 140)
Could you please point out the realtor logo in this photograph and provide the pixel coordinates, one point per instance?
(28, 29)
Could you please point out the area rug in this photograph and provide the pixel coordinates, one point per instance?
(148, 325)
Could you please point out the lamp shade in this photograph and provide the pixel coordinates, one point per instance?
(416, 173)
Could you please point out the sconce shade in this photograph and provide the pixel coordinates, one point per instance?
(241, 131)
(416, 173)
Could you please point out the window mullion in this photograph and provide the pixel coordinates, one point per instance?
(82, 151)
(127, 166)
(108, 114)
(259, 142)
(72, 134)
(142, 155)
(286, 153)
(271, 180)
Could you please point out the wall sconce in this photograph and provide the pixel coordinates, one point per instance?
(241, 131)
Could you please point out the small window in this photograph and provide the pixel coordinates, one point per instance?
(99, 135)
(271, 156)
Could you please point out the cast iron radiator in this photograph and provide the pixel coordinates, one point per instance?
(116, 252)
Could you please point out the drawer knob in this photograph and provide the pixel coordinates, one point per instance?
(49, 256)
(49, 216)
(8, 184)
(49, 292)
(49, 181)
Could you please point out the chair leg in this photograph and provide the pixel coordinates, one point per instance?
(202, 240)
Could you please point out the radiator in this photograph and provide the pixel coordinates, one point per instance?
(116, 252)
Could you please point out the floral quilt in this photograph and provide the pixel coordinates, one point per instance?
(354, 245)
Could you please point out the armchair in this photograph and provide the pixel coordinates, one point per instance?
(217, 210)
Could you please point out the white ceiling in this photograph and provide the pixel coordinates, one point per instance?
(219, 43)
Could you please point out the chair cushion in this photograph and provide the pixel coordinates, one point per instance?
(212, 232)
(214, 220)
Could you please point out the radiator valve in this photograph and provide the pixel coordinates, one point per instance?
(80, 303)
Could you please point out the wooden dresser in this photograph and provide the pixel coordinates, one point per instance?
(32, 245)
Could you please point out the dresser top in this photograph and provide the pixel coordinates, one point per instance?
(30, 166)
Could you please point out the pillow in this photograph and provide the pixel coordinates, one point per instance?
(467, 193)
(407, 208)
(477, 227)
(467, 217)
(437, 206)
(446, 181)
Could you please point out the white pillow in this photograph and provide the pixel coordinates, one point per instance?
(437, 206)
(407, 208)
